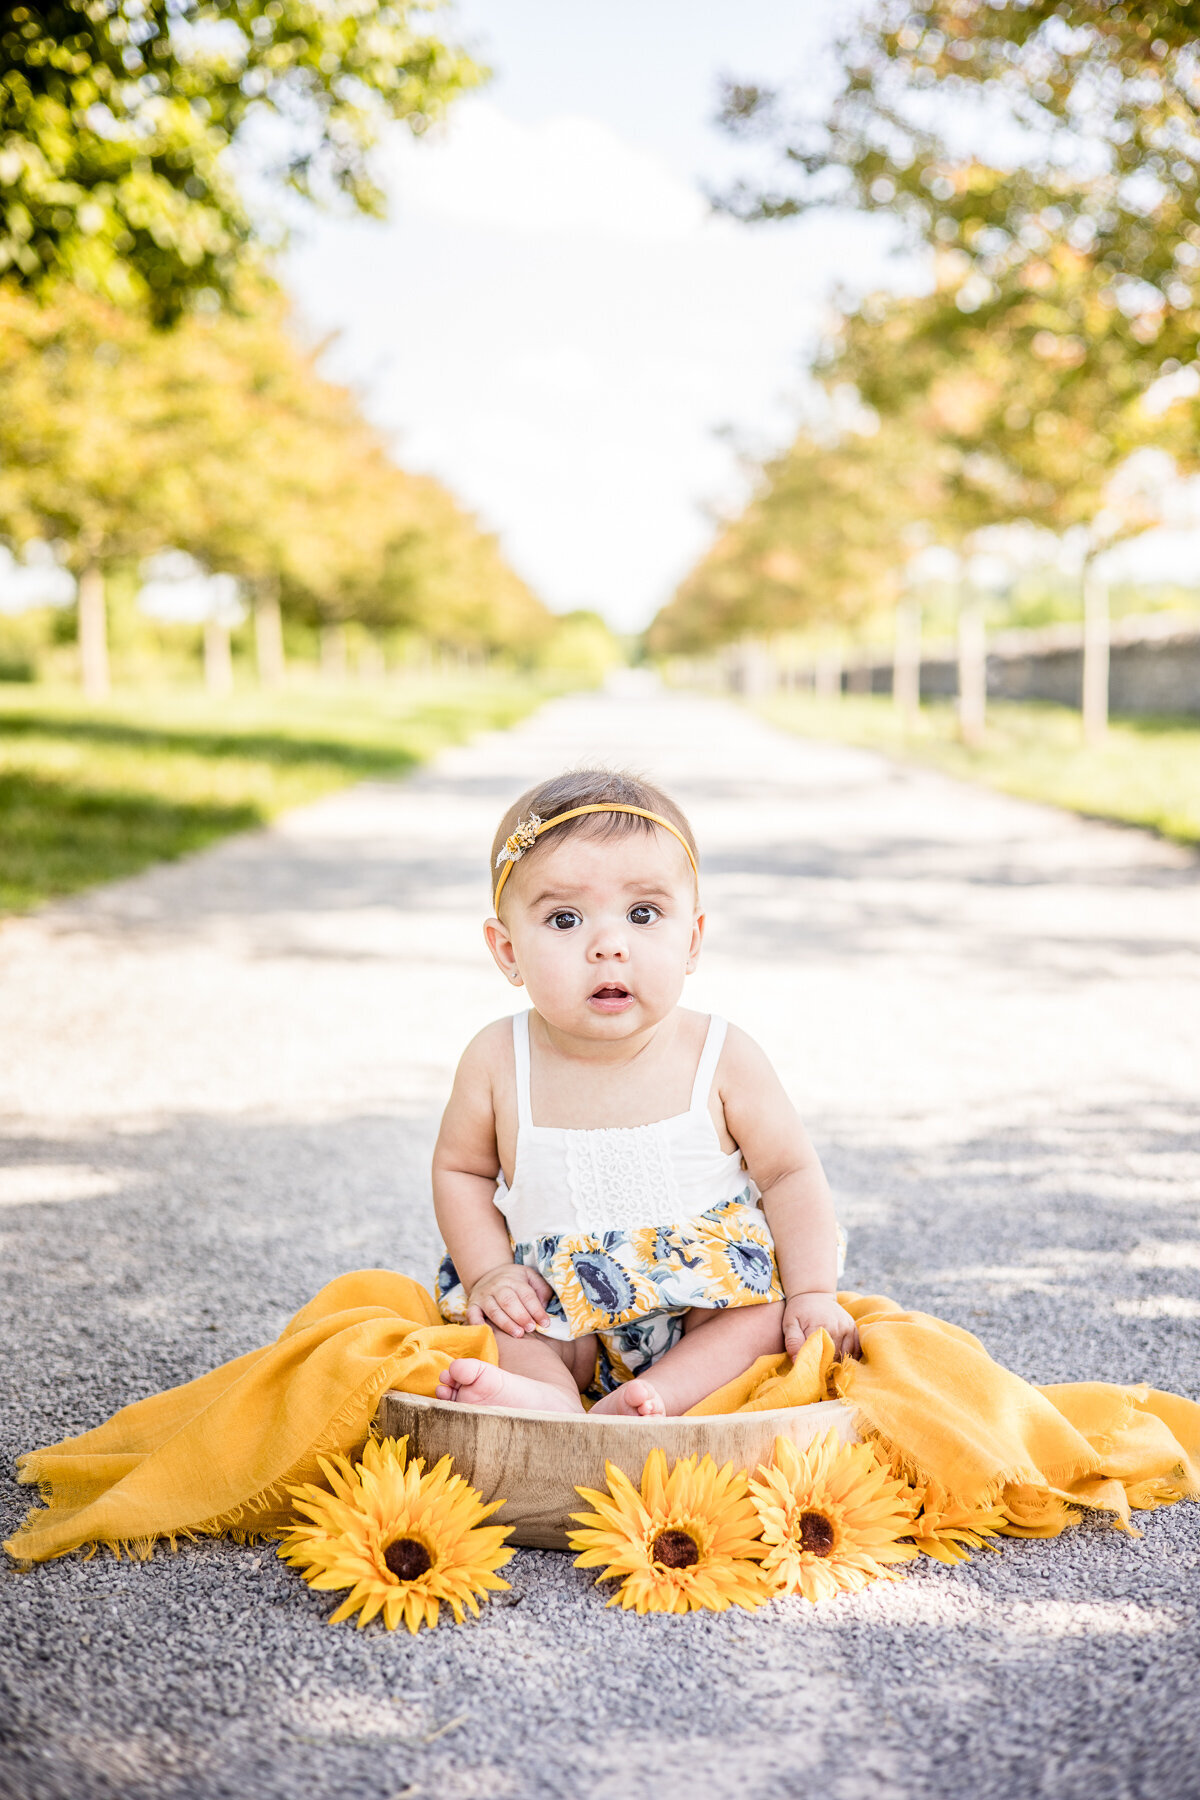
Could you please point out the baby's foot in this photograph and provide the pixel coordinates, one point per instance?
(475, 1383)
(633, 1400)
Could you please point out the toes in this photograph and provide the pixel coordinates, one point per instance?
(643, 1399)
(650, 1401)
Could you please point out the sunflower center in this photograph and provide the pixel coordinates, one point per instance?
(815, 1533)
(675, 1550)
(407, 1559)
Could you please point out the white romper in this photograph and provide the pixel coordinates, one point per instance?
(632, 1226)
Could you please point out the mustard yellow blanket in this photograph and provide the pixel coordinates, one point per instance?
(218, 1454)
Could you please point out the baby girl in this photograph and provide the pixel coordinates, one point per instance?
(624, 1188)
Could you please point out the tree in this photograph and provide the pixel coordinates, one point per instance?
(221, 439)
(86, 456)
(819, 544)
(1093, 107)
(117, 117)
(1032, 406)
(1076, 251)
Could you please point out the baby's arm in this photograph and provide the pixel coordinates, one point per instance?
(795, 1193)
(466, 1163)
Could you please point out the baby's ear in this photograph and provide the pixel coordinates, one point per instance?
(693, 956)
(495, 936)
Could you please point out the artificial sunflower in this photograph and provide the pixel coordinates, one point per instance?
(402, 1540)
(831, 1517)
(687, 1540)
(947, 1531)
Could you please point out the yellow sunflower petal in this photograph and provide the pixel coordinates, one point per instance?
(833, 1518)
(342, 1538)
(686, 1540)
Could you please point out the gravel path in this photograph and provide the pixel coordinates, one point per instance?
(219, 1086)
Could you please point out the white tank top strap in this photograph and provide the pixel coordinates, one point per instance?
(706, 1068)
(521, 1057)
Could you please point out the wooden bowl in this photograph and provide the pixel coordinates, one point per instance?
(534, 1461)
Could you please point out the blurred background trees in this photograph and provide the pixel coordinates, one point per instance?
(161, 410)
(219, 438)
(117, 116)
(1042, 164)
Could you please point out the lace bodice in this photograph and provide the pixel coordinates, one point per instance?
(617, 1178)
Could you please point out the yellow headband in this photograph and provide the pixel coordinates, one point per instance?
(530, 830)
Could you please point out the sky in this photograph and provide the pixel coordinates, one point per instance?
(553, 321)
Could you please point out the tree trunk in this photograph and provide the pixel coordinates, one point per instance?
(218, 658)
(1096, 635)
(333, 652)
(93, 634)
(972, 671)
(759, 671)
(372, 664)
(828, 682)
(268, 636)
(906, 667)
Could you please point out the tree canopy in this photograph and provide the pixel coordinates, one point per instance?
(1046, 156)
(819, 545)
(117, 118)
(1006, 130)
(221, 438)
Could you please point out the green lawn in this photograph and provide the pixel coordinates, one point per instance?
(1146, 773)
(89, 793)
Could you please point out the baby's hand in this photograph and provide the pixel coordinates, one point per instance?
(512, 1298)
(805, 1313)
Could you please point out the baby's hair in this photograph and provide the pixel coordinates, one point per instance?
(590, 787)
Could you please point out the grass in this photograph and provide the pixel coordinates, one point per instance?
(91, 793)
(1146, 773)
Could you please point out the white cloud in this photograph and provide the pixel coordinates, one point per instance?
(552, 324)
(562, 174)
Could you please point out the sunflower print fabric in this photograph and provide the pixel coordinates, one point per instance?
(631, 1289)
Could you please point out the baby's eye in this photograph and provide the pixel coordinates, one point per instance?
(644, 914)
(565, 920)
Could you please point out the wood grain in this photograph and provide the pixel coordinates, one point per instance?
(535, 1460)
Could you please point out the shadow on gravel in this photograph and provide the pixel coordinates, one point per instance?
(256, 879)
(1049, 1672)
(759, 908)
(763, 915)
(1071, 1248)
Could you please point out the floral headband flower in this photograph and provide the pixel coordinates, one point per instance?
(530, 829)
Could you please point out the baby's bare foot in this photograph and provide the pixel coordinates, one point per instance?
(633, 1400)
(475, 1383)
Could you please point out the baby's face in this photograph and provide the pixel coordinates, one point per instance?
(602, 931)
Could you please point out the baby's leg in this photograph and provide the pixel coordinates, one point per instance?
(536, 1373)
(716, 1345)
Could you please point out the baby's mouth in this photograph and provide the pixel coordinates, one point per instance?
(610, 996)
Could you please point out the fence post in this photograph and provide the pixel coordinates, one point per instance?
(972, 669)
(906, 665)
(827, 682)
(1096, 637)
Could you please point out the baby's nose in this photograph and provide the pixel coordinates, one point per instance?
(609, 944)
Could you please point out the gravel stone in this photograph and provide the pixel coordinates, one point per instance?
(219, 1087)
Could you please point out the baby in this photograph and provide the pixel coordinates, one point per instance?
(624, 1188)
